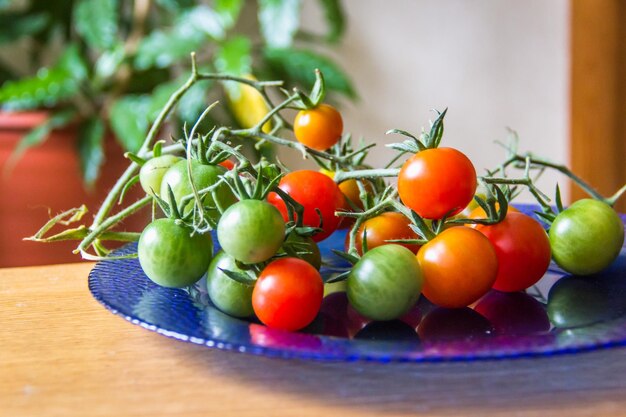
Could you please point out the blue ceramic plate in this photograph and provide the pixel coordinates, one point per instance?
(559, 315)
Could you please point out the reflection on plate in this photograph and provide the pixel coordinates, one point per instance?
(561, 314)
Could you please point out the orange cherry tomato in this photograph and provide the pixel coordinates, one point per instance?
(318, 128)
(523, 251)
(436, 182)
(479, 213)
(384, 227)
(459, 266)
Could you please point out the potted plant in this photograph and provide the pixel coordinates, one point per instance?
(97, 72)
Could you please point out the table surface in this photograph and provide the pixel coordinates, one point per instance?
(63, 354)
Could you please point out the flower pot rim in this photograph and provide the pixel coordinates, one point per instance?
(22, 120)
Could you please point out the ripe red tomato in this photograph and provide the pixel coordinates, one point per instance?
(523, 251)
(384, 227)
(318, 128)
(228, 164)
(459, 266)
(436, 182)
(313, 190)
(288, 294)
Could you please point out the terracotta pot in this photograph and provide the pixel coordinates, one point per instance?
(44, 182)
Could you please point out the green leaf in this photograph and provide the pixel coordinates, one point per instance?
(190, 32)
(96, 22)
(40, 133)
(129, 121)
(193, 103)
(279, 21)
(299, 65)
(109, 62)
(234, 57)
(17, 25)
(334, 19)
(90, 148)
(228, 11)
(73, 63)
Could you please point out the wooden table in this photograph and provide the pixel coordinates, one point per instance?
(62, 354)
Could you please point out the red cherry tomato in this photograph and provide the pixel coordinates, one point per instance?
(459, 267)
(523, 251)
(313, 190)
(384, 227)
(228, 164)
(318, 128)
(288, 294)
(436, 182)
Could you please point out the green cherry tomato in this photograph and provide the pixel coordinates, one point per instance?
(204, 176)
(586, 237)
(385, 283)
(171, 256)
(230, 296)
(251, 231)
(306, 249)
(151, 173)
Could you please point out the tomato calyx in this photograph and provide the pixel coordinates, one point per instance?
(430, 140)
(315, 97)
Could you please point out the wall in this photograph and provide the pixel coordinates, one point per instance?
(493, 63)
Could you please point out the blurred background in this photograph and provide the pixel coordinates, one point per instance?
(550, 70)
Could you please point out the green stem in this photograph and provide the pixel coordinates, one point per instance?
(341, 176)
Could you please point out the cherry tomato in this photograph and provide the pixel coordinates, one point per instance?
(459, 265)
(151, 173)
(251, 231)
(436, 182)
(384, 227)
(586, 237)
(203, 176)
(307, 249)
(523, 251)
(171, 256)
(318, 128)
(288, 294)
(232, 297)
(480, 213)
(385, 283)
(227, 163)
(313, 190)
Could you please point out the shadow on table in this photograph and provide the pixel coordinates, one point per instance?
(579, 381)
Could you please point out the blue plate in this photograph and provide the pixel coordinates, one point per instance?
(561, 314)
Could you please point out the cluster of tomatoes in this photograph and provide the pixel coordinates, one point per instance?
(269, 262)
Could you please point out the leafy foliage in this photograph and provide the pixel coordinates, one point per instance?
(121, 61)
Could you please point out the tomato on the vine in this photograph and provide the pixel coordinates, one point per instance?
(523, 251)
(318, 128)
(382, 228)
(251, 231)
(227, 163)
(586, 237)
(437, 182)
(203, 176)
(288, 294)
(151, 173)
(385, 283)
(315, 191)
(459, 265)
(232, 297)
(171, 255)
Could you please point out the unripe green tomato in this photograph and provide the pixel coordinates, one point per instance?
(586, 237)
(385, 283)
(230, 296)
(171, 256)
(251, 231)
(307, 248)
(203, 176)
(151, 173)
